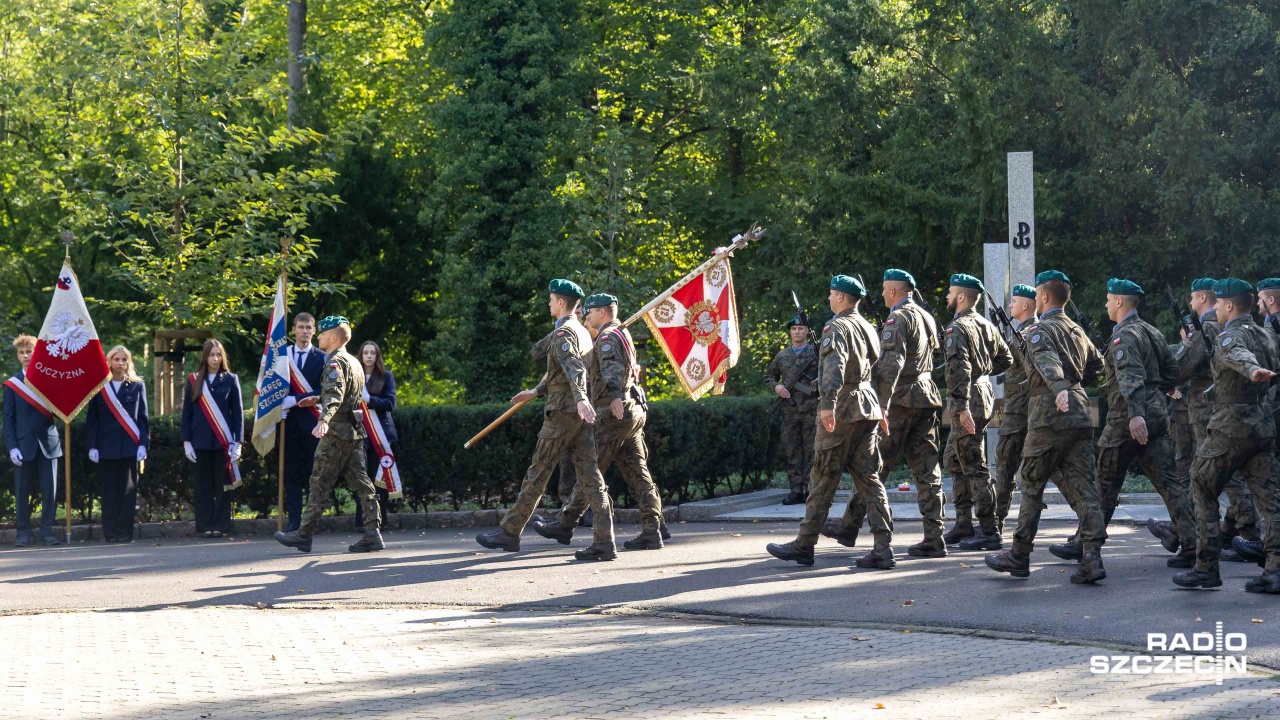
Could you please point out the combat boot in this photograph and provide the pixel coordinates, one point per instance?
(880, 557)
(836, 530)
(597, 551)
(934, 548)
(1012, 562)
(1249, 550)
(552, 530)
(1090, 570)
(1195, 579)
(962, 529)
(1164, 532)
(795, 498)
(1067, 551)
(983, 541)
(802, 554)
(1184, 559)
(646, 540)
(662, 528)
(294, 539)
(499, 540)
(371, 542)
(1267, 582)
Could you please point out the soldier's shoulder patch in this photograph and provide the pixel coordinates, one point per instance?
(560, 333)
(605, 347)
(1227, 341)
(887, 334)
(950, 330)
(826, 327)
(564, 346)
(333, 374)
(1034, 328)
(1119, 354)
(890, 321)
(950, 341)
(1035, 338)
(826, 341)
(1116, 341)
(333, 365)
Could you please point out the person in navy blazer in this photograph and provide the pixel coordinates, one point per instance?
(299, 443)
(213, 503)
(113, 449)
(34, 448)
(380, 394)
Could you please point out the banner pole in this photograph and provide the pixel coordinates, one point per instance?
(284, 281)
(66, 461)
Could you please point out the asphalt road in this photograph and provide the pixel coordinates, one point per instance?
(707, 569)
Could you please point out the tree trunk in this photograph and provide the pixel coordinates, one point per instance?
(297, 45)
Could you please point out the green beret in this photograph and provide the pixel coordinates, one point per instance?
(1269, 284)
(797, 320)
(1231, 287)
(1048, 275)
(1202, 284)
(1120, 286)
(599, 300)
(1024, 291)
(848, 286)
(966, 281)
(900, 276)
(568, 288)
(332, 321)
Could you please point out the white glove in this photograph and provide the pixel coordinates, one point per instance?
(16, 456)
(142, 453)
(234, 450)
(93, 455)
(189, 450)
(289, 402)
(364, 394)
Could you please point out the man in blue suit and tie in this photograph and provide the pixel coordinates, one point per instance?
(34, 448)
(307, 363)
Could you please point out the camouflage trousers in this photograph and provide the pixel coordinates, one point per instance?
(798, 426)
(853, 448)
(563, 432)
(913, 431)
(622, 441)
(1008, 461)
(1156, 459)
(1217, 459)
(1240, 513)
(966, 459)
(567, 482)
(335, 458)
(1067, 457)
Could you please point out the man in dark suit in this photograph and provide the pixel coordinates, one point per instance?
(299, 445)
(34, 448)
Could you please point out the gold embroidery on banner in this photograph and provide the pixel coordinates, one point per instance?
(665, 312)
(718, 274)
(695, 369)
(703, 321)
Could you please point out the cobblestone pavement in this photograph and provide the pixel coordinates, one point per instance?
(321, 663)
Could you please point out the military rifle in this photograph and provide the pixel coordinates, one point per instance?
(997, 314)
(1188, 320)
(874, 303)
(1085, 322)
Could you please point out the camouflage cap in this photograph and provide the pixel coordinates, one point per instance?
(1231, 287)
(599, 300)
(1024, 291)
(567, 288)
(900, 276)
(848, 285)
(332, 321)
(1269, 284)
(1204, 283)
(1120, 286)
(966, 281)
(1048, 275)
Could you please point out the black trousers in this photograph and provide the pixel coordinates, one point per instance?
(118, 490)
(372, 467)
(37, 472)
(213, 504)
(299, 458)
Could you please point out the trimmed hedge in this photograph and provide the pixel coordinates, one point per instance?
(718, 444)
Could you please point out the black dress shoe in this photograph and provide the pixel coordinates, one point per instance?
(1197, 579)
(499, 540)
(294, 540)
(802, 554)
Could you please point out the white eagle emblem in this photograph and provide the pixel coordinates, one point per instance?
(68, 335)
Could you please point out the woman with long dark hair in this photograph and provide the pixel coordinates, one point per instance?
(380, 396)
(118, 432)
(212, 425)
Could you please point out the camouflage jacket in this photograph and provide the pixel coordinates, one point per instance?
(797, 371)
(849, 349)
(612, 368)
(903, 374)
(1192, 357)
(1014, 419)
(1139, 371)
(1059, 357)
(565, 383)
(974, 350)
(340, 391)
(1241, 408)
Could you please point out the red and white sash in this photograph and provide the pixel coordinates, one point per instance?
(18, 386)
(122, 416)
(624, 337)
(221, 431)
(300, 386)
(388, 477)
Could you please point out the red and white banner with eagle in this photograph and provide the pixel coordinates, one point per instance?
(68, 367)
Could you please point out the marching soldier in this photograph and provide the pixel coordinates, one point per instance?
(848, 437)
(568, 424)
(909, 402)
(1060, 360)
(340, 451)
(1241, 436)
(793, 377)
(1013, 422)
(1139, 371)
(974, 350)
(621, 410)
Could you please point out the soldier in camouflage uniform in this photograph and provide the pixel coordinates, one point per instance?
(568, 423)
(909, 402)
(1140, 370)
(621, 410)
(1013, 422)
(1269, 306)
(973, 350)
(1242, 436)
(849, 433)
(341, 447)
(1060, 361)
(793, 377)
(567, 478)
